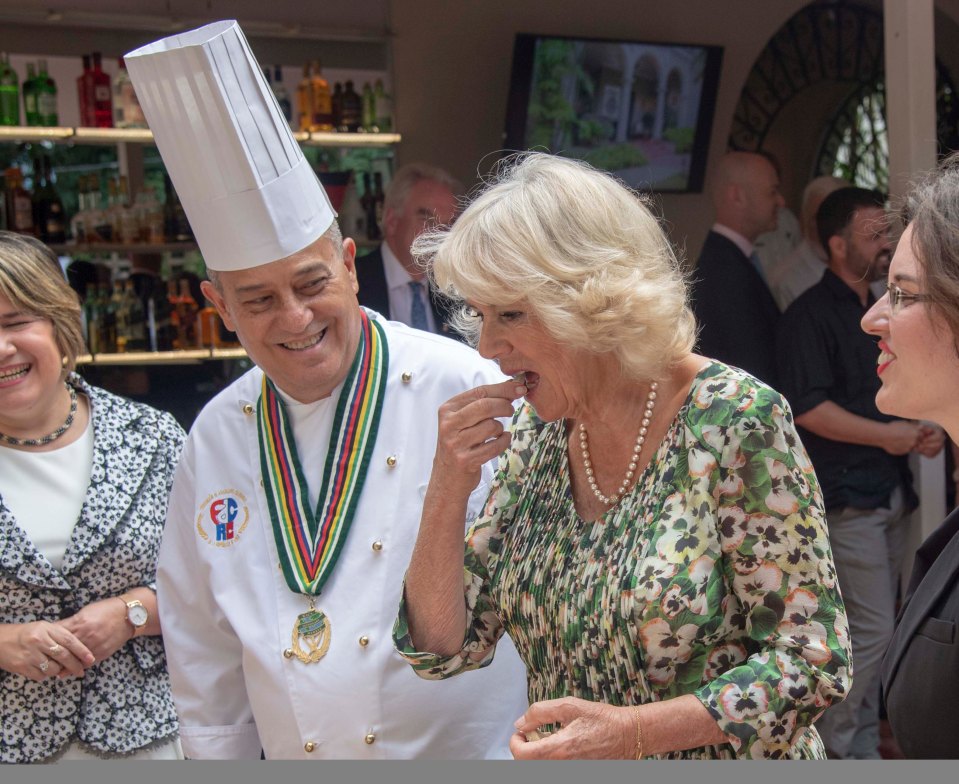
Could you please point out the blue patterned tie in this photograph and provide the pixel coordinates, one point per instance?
(418, 310)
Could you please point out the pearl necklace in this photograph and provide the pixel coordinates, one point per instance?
(609, 500)
(50, 437)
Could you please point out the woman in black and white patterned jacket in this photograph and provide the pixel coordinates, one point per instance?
(84, 479)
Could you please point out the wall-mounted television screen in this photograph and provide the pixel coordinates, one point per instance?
(642, 111)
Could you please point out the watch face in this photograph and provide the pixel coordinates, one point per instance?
(137, 615)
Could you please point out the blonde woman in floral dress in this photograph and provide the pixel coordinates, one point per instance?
(654, 543)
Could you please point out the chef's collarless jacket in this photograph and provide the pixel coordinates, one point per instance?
(228, 614)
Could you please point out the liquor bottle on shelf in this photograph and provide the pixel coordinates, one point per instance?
(304, 98)
(46, 97)
(321, 100)
(379, 197)
(126, 108)
(134, 332)
(176, 227)
(187, 311)
(48, 215)
(150, 217)
(129, 226)
(31, 115)
(19, 206)
(282, 96)
(121, 316)
(175, 329)
(209, 332)
(9, 93)
(368, 202)
(369, 109)
(99, 227)
(85, 93)
(352, 108)
(79, 228)
(384, 107)
(336, 105)
(108, 320)
(113, 210)
(102, 94)
(91, 313)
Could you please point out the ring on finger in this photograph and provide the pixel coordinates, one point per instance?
(44, 665)
(56, 650)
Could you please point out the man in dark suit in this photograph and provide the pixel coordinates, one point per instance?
(420, 196)
(736, 312)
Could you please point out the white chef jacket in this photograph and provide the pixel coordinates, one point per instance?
(228, 614)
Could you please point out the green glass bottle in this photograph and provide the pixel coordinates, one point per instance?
(369, 109)
(48, 215)
(30, 114)
(46, 97)
(9, 93)
(384, 107)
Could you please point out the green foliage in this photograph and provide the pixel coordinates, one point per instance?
(552, 118)
(592, 131)
(682, 138)
(612, 158)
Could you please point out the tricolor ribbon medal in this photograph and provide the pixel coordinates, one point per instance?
(308, 542)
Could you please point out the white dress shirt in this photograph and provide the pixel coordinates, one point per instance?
(401, 298)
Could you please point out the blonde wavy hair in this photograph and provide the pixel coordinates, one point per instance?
(31, 278)
(586, 254)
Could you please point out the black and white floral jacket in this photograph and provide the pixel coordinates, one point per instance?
(124, 703)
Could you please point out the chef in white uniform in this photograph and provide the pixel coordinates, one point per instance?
(296, 503)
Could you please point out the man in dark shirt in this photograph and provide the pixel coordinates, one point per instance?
(734, 307)
(827, 368)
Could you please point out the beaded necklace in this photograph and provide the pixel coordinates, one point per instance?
(50, 437)
(634, 461)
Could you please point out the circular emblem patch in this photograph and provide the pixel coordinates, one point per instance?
(222, 518)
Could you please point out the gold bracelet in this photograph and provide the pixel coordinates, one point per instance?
(640, 751)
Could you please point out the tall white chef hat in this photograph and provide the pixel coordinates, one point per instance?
(249, 193)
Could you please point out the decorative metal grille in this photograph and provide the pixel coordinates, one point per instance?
(841, 43)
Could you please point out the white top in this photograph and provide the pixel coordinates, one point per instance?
(312, 424)
(46, 490)
(401, 298)
(228, 614)
(795, 272)
(773, 245)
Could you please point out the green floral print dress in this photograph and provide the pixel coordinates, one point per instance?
(713, 577)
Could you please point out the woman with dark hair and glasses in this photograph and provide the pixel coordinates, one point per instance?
(917, 323)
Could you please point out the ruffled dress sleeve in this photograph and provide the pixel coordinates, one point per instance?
(777, 565)
(483, 545)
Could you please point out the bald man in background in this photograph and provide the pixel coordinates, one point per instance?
(790, 275)
(733, 304)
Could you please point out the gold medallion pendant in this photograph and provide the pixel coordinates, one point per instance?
(311, 637)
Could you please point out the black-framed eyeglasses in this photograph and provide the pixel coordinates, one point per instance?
(898, 299)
